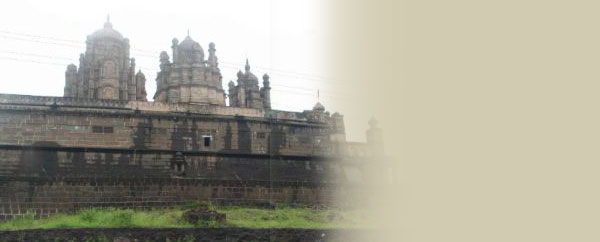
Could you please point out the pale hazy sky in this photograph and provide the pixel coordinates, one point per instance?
(282, 38)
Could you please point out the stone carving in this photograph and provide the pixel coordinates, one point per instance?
(105, 62)
(109, 69)
(108, 93)
(103, 137)
(189, 79)
(247, 93)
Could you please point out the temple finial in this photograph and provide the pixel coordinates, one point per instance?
(247, 65)
(107, 24)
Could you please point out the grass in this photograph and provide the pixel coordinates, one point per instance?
(281, 217)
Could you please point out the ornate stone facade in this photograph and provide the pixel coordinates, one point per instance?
(247, 94)
(104, 139)
(189, 79)
(105, 70)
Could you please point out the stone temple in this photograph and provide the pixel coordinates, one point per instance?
(104, 144)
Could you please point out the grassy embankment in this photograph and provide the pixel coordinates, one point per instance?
(282, 217)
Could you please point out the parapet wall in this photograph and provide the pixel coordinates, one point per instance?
(62, 154)
(47, 101)
(38, 120)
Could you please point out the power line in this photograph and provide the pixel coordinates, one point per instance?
(61, 39)
(63, 64)
(58, 43)
(72, 45)
(80, 45)
(275, 84)
(32, 61)
(39, 36)
(35, 55)
(72, 59)
(157, 53)
(275, 103)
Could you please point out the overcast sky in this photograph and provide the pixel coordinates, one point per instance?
(38, 39)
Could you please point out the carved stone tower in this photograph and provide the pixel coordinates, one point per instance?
(105, 70)
(247, 94)
(189, 79)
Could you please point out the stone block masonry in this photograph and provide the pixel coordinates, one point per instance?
(65, 154)
(45, 196)
(104, 145)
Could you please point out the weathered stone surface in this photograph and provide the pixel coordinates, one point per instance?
(104, 145)
(247, 93)
(105, 70)
(189, 79)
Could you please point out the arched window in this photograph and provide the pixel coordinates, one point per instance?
(109, 69)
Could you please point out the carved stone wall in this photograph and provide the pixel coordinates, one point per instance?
(190, 79)
(106, 70)
(247, 93)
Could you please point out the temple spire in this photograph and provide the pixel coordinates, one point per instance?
(107, 24)
(318, 95)
(247, 68)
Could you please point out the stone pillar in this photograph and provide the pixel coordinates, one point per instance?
(132, 92)
(140, 82)
(71, 81)
(232, 95)
(266, 92)
(174, 47)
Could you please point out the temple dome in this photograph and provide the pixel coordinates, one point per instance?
(190, 51)
(319, 107)
(189, 43)
(107, 32)
(140, 74)
(248, 75)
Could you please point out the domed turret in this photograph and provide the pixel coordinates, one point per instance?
(140, 74)
(189, 43)
(71, 68)
(188, 51)
(197, 81)
(251, 79)
(140, 81)
(164, 57)
(319, 107)
(107, 32)
(266, 80)
(106, 70)
(247, 93)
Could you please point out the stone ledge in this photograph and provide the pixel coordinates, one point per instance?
(16, 102)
